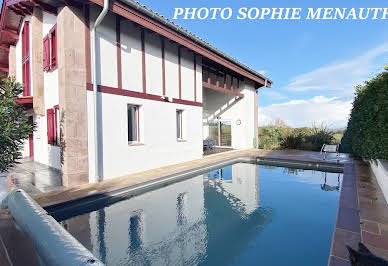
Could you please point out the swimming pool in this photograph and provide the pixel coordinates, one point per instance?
(241, 214)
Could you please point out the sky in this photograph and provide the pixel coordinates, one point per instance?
(314, 64)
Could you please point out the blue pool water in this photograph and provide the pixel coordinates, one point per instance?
(242, 214)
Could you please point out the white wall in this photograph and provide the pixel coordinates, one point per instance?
(153, 60)
(157, 133)
(131, 56)
(380, 170)
(225, 106)
(106, 49)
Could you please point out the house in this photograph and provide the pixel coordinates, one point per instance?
(136, 92)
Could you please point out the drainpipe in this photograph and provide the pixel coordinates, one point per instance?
(95, 98)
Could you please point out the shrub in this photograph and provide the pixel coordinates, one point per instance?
(319, 136)
(292, 140)
(270, 137)
(14, 124)
(367, 132)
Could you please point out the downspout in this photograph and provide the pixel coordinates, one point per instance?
(94, 79)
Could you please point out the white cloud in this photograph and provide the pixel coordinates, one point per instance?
(262, 72)
(300, 113)
(274, 94)
(340, 76)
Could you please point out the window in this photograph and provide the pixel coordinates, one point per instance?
(133, 123)
(50, 50)
(53, 125)
(179, 134)
(26, 59)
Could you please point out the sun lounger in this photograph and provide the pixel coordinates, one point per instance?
(329, 148)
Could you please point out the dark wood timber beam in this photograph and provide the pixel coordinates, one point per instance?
(45, 7)
(10, 34)
(16, 11)
(23, 9)
(4, 48)
(4, 69)
(222, 89)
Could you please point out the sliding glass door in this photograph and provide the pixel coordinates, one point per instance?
(225, 133)
(221, 132)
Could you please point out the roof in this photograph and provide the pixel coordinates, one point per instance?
(149, 12)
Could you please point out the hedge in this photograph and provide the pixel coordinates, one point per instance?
(366, 135)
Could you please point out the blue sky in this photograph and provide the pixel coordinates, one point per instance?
(314, 64)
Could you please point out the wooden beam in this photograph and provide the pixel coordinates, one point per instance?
(143, 61)
(221, 89)
(10, 34)
(17, 12)
(12, 2)
(45, 7)
(4, 48)
(87, 44)
(195, 77)
(24, 9)
(180, 72)
(10, 28)
(4, 69)
(163, 67)
(118, 45)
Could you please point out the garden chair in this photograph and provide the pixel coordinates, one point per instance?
(330, 148)
(208, 144)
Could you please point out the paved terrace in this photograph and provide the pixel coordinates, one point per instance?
(361, 203)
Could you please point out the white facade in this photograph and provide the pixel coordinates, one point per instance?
(178, 88)
(158, 145)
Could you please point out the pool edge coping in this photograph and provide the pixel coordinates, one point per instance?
(347, 229)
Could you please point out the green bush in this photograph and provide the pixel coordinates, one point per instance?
(319, 136)
(276, 137)
(14, 124)
(270, 137)
(367, 132)
(292, 140)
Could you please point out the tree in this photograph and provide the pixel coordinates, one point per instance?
(367, 133)
(14, 124)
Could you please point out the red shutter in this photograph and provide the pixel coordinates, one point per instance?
(50, 126)
(26, 59)
(46, 53)
(56, 131)
(53, 39)
(26, 78)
